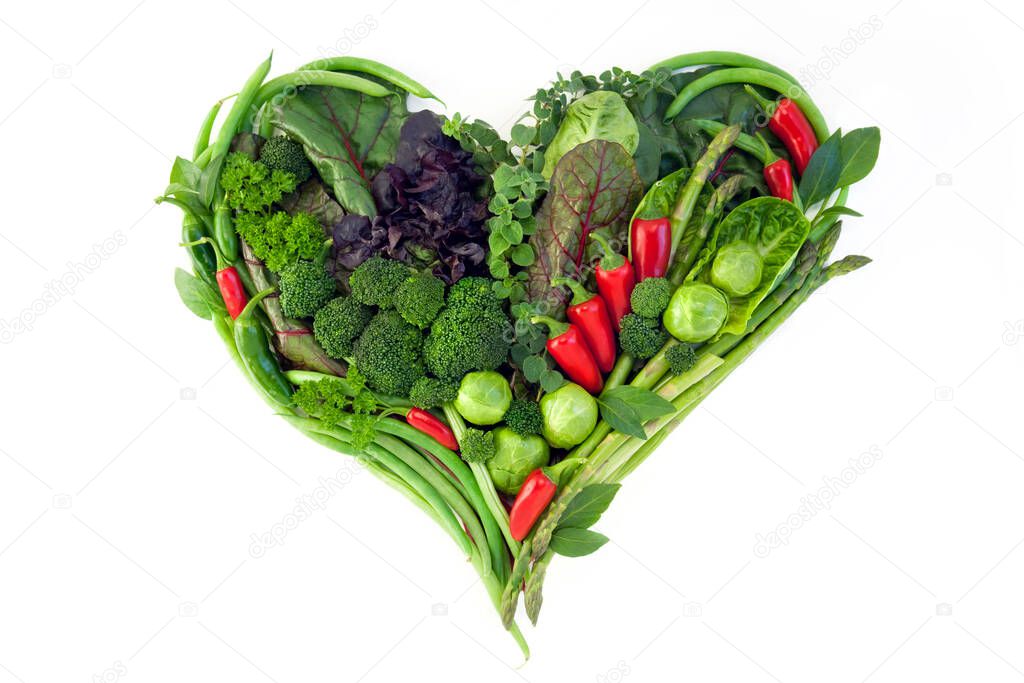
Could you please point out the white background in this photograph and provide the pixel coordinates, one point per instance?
(127, 507)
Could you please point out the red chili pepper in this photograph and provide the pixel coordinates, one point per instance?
(651, 247)
(534, 496)
(779, 176)
(615, 281)
(589, 313)
(431, 426)
(569, 349)
(232, 291)
(791, 127)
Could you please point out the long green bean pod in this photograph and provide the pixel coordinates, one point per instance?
(766, 79)
(237, 114)
(373, 68)
(719, 58)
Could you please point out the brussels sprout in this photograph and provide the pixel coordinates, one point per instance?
(570, 414)
(697, 311)
(483, 397)
(600, 115)
(514, 458)
(737, 269)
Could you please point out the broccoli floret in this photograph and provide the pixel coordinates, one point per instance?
(305, 287)
(641, 337)
(284, 154)
(477, 446)
(651, 296)
(279, 239)
(420, 298)
(430, 392)
(524, 417)
(389, 354)
(376, 281)
(251, 186)
(463, 339)
(337, 325)
(475, 292)
(681, 358)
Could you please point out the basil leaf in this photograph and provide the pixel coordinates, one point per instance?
(197, 296)
(822, 173)
(647, 404)
(573, 542)
(858, 152)
(621, 416)
(839, 211)
(587, 507)
(185, 172)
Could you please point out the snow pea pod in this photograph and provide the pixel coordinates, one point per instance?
(369, 66)
(258, 357)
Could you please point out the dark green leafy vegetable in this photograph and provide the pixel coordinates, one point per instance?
(349, 137)
(822, 173)
(575, 542)
(858, 152)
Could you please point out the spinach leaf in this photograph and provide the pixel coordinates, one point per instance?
(776, 229)
(821, 177)
(593, 187)
(588, 505)
(575, 542)
(858, 152)
(348, 136)
(645, 403)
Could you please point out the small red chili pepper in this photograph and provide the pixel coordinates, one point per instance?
(232, 291)
(651, 247)
(568, 347)
(534, 496)
(778, 174)
(589, 313)
(791, 127)
(615, 281)
(431, 426)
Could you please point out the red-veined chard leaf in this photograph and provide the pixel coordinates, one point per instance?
(349, 136)
(594, 187)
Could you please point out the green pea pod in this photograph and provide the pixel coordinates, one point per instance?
(204, 261)
(257, 355)
(368, 66)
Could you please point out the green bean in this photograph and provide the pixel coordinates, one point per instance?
(765, 79)
(719, 58)
(299, 79)
(368, 66)
(458, 467)
(236, 115)
(203, 139)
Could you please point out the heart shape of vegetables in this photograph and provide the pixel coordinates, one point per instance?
(502, 330)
